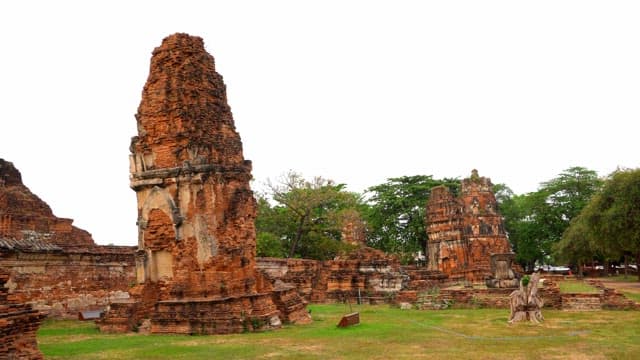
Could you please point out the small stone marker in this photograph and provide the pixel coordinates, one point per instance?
(349, 320)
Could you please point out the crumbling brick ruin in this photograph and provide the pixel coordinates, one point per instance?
(354, 230)
(367, 274)
(363, 274)
(18, 326)
(196, 251)
(52, 264)
(463, 232)
(25, 217)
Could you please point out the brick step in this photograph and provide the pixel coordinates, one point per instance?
(581, 302)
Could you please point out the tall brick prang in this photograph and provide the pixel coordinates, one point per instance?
(196, 211)
(463, 232)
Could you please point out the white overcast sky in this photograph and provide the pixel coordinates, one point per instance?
(355, 91)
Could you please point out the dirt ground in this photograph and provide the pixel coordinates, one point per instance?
(632, 286)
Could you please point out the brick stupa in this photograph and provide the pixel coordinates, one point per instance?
(464, 232)
(196, 212)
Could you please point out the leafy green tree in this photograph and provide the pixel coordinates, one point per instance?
(306, 219)
(577, 245)
(272, 225)
(612, 218)
(527, 238)
(269, 245)
(396, 215)
(503, 194)
(565, 196)
(536, 221)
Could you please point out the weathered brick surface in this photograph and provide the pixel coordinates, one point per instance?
(606, 298)
(196, 211)
(63, 283)
(367, 275)
(354, 229)
(406, 296)
(302, 273)
(612, 299)
(463, 232)
(24, 216)
(581, 302)
(479, 297)
(550, 294)
(18, 326)
(53, 265)
(287, 300)
(420, 278)
(338, 280)
(215, 316)
(485, 298)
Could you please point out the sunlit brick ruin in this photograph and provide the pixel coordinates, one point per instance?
(195, 263)
(354, 230)
(18, 325)
(465, 231)
(53, 265)
(25, 217)
(362, 274)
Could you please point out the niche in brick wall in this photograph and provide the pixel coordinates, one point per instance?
(158, 237)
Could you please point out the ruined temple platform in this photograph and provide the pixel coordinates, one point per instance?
(215, 316)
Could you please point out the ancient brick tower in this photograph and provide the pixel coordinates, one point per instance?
(464, 232)
(196, 211)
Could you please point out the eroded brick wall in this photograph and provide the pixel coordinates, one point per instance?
(23, 215)
(53, 265)
(367, 275)
(18, 325)
(63, 283)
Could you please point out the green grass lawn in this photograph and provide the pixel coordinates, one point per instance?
(384, 333)
(621, 278)
(576, 287)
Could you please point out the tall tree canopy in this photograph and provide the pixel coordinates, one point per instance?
(528, 240)
(610, 224)
(396, 215)
(537, 220)
(306, 220)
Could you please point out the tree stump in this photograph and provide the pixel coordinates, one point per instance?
(526, 304)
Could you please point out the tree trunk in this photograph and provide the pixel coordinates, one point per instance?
(638, 264)
(296, 240)
(424, 244)
(525, 302)
(580, 267)
(626, 266)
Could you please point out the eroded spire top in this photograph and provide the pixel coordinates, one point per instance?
(183, 114)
